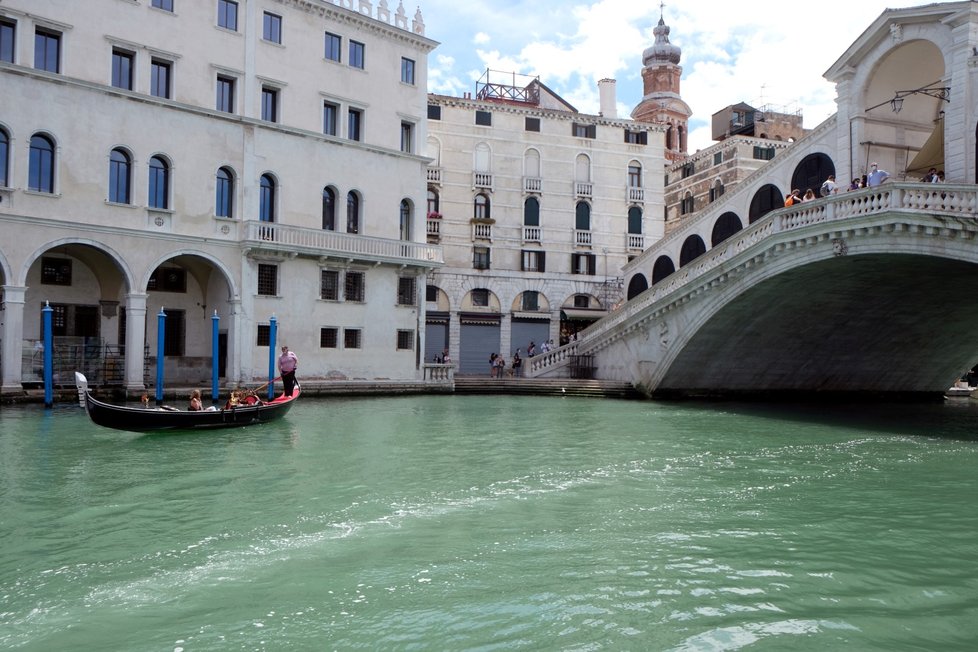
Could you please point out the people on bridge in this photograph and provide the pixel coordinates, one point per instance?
(809, 195)
(876, 176)
(793, 198)
(829, 187)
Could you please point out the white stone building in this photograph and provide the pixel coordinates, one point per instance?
(537, 207)
(247, 159)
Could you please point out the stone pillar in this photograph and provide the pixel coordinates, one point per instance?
(13, 338)
(135, 341)
(506, 337)
(235, 333)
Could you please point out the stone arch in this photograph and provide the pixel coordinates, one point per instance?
(767, 198)
(69, 245)
(482, 157)
(812, 171)
(693, 247)
(189, 255)
(582, 168)
(531, 163)
(636, 286)
(433, 151)
(725, 226)
(5, 277)
(662, 268)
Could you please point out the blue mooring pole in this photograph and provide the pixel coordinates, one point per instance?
(160, 345)
(215, 346)
(48, 356)
(272, 332)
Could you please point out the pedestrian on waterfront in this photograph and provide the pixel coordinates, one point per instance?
(830, 187)
(492, 365)
(195, 404)
(288, 362)
(544, 346)
(445, 358)
(500, 365)
(517, 364)
(531, 350)
(876, 176)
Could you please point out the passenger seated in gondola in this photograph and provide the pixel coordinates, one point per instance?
(195, 404)
(234, 400)
(252, 399)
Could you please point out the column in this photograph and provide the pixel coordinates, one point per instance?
(506, 336)
(236, 331)
(13, 338)
(135, 342)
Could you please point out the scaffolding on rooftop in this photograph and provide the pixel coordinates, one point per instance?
(521, 89)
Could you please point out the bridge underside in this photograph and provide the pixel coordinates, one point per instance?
(894, 324)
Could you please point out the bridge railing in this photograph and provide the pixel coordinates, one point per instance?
(953, 200)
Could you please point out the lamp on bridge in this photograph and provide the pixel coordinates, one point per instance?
(896, 103)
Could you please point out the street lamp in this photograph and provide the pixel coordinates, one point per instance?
(896, 103)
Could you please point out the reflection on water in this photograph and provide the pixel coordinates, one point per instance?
(444, 522)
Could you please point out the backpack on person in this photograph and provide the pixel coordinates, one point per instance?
(825, 191)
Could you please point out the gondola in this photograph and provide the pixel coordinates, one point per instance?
(144, 419)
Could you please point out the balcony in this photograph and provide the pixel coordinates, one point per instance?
(482, 180)
(635, 195)
(532, 234)
(434, 175)
(294, 240)
(583, 189)
(434, 229)
(635, 241)
(481, 231)
(582, 238)
(532, 184)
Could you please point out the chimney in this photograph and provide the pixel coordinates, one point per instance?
(606, 93)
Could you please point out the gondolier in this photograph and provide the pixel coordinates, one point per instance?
(287, 364)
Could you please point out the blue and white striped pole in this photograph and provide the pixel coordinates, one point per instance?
(47, 311)
(160, 341)
(215, 345)
(272, 333)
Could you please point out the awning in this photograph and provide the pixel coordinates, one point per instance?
(931, 155)
(436, 317)
(577, 314)
(531, 315)
(480, 319)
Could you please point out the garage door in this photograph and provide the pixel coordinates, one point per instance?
(525, 331)
(435, 340)
(478, 342)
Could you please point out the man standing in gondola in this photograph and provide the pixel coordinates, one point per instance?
(287, 364)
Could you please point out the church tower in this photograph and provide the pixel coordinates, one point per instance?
(661, 103)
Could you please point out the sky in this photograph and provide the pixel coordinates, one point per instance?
(765, 52)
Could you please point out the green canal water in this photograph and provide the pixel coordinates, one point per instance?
(496, 523)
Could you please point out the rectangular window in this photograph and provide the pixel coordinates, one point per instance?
(407, 71)
(267, 280)
(431, 293)
(354, 124)
(356, 54)
(582, 301)
(165, 5)
(264, 335)
(272, 28)
(329, 285)
(351, 338)
(269, 104)
(480, 297)
(583, 264)
(55, 271)
(584, 131)
(405, 340)
(175, 334)
(434, 112)
(533, 261)
(406, 291)
(718, 158)
(333, 43)
(328, 338)
(531, 301)
(47, 50)
(227, 14)
(225, 94)
(122, 69)
(636, 137)
(407, 137)
(331, 114)
(168, 279)
(634, 176)
(353, 287)
(8, 30)
(763, 153)
(159, 84)
(483, 118)
(688, 170)
(480, 257)
(532, 124)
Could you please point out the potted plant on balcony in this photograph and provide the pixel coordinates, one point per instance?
(434, 215)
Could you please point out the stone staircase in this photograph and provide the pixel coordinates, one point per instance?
(545, 387)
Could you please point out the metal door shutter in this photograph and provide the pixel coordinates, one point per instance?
(525, 331)
(436, 340)
(478, 342)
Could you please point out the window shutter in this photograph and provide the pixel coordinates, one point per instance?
(541, 260)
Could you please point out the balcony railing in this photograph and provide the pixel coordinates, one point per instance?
(482, 180)
(633, 194)
(532, 234)
(434, 175)
(434, 227)
(481, 231)
(532, 184)
(635, 242)
(315, 242)
(582, 238)
(583, 189)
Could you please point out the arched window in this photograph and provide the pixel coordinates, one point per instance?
(662, 268)
(636, 286)
(4, 158)
(693, 248)
(405, 219)
(681, 138)
(120, 171)
(634, 174)
(483, 158)
(531, 164)
(582, 169)
(812, 171)
(41, 172)
(582, 214)
(266, 199)
(716, 192)
(329, 209)
(765, 200)
(668, 137)
(352, 212)
(687, 205)
(531, 212)
(481, 207)
(726, 225)
(635, 220)
(224, 195)
(433, 203)
(159, 183)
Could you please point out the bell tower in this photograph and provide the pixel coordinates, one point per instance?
(661, 102)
